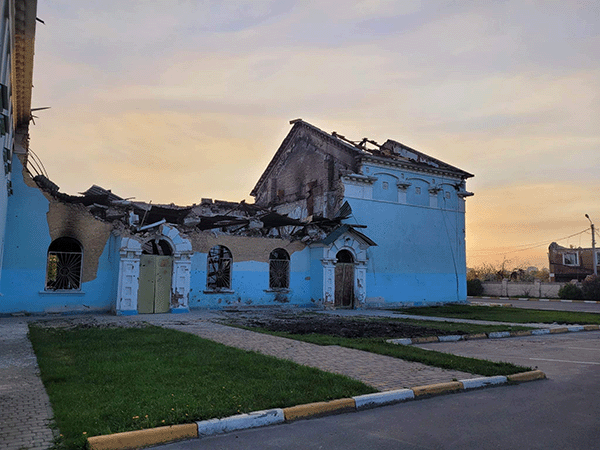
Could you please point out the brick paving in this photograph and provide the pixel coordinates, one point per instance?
(25, 411)
(382, 372)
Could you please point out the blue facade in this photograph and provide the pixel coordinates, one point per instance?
(418, 224)
(25, 257)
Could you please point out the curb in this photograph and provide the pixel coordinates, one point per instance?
(163, 435)
(494, 335)
(143, 438)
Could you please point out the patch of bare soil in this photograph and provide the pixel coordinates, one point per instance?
(86, 322)
(337, 326)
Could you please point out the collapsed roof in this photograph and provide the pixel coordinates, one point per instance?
(228, 217)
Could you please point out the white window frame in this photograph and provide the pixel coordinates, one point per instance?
(564, 256)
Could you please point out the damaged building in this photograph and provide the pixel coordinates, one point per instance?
(335, 223)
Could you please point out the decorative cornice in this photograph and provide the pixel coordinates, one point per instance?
(358, 178)
(412, 166)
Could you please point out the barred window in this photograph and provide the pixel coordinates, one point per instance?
(219, 269)
(279, 269)
(63, 268)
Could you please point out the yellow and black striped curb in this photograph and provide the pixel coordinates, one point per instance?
(535, 299)
(494, 335)
(163, 435)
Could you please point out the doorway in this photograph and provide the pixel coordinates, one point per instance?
(156, 274)
(344, 280)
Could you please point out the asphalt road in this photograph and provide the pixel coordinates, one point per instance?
(562, 412)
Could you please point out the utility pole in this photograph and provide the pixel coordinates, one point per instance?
(594, 255)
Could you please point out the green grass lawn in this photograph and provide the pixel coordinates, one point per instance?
(460, 328)
(103, 381)
(408, 353)
(504, 314)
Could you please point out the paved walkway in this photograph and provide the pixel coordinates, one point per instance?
(25, 411)
(382, 372)
(397, 315)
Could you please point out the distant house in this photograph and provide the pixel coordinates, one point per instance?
(335, 224)
(568, 264)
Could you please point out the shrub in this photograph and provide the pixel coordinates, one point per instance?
(570, 292)
(474, 287)
(591, 288)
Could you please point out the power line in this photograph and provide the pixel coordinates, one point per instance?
(533, 245)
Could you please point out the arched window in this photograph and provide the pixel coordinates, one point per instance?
(218, 274)
(279, 269)
(63, 268)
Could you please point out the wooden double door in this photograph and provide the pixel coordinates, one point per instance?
(156, 273)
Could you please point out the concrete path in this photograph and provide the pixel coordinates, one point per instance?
(25, 411)
(396, 315)
(382, 372)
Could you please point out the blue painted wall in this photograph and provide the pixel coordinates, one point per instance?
(420, 257)
(24, 264)
(250, 284)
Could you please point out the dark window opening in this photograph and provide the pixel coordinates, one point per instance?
(219, 269)
(63, 268)
(279, 269)
(157, 247)
(344, 256)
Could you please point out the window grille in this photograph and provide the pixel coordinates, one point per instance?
(63, 269)
(279, 269)
(219, 269)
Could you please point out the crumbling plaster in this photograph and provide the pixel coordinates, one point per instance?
(243, 248)
(71, 220)
(307, 175)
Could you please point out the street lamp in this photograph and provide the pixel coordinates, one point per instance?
(594, 256)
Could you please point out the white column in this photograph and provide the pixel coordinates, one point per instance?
(360, 287)
(180, 290)
(328, 282)
(129, 274)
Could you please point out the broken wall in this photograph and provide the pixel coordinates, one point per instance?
(305, 179)
(32, 224)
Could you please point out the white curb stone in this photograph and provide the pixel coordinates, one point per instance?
(382, 398)
(575, 328)
(540, 331)
(499, 334)
(240, 422)
(451, 338)
(404, 341)
(475, 383)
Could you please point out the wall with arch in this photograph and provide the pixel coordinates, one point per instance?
(27, 238)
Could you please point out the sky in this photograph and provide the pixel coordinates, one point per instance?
(174, 101)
